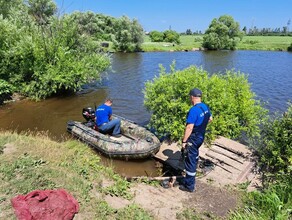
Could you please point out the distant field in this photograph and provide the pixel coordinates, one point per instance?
(265, 43)
(195, 41)
(187, 43)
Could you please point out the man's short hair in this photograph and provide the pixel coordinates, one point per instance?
(109, 100)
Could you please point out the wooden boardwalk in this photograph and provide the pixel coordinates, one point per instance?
(231, 162)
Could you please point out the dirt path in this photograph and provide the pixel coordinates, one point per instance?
(167, 203)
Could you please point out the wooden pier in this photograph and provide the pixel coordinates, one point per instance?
(231, 162)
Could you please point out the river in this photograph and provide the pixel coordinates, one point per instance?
(270, 75)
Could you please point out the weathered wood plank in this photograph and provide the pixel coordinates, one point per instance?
(222, 159)
(227, 153)
(232, 146)
(232, 160)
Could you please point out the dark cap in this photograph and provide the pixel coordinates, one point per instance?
(196, 92)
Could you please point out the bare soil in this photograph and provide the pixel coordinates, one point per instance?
(207, 201)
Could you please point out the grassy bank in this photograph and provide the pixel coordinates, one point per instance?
(30, 162)
(33, 161)
(273, 43)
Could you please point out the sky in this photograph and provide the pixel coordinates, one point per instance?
(180, 15)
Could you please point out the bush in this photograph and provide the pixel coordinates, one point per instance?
(274, 202)
(275, 158)
(275, 146)
(49, 59)
(233, 105)
(166, 36)
(5, 90)
(42, 55)
(252, 42)
(171, 36)
(156, 36)
(290, 48)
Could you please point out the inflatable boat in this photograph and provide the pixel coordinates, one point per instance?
(136, 142)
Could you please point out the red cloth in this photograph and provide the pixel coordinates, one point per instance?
(45, 205)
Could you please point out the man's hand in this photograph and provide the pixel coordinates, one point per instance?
(184, 145)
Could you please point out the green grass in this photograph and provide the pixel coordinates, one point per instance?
(278, 43)
(190, 42)
(187, 43)
(31, 162)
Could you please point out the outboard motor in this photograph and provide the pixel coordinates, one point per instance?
(89, 115)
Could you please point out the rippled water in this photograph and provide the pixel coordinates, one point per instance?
(270, 75)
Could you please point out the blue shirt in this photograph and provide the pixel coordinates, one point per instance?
(196, 115)
(103, 113)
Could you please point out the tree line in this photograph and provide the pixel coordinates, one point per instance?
(222, 33)
(255, 31)
(42, 54)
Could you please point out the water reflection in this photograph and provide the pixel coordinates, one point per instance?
(218, 61)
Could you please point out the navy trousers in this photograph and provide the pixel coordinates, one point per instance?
(191, 162)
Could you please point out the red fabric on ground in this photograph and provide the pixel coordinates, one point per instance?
(45, 205)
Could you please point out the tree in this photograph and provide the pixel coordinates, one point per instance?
(189, 32)
(223, 33)
(128, 35)
(7, 6)
(39, 59)
(166, 36)
(98, 26)
(156, 36)
(41, 10)
(244, 29)
(285, 28)
(171, 36)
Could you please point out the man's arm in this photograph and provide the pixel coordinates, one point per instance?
(188, 132)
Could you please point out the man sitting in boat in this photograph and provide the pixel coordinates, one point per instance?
(104, 122)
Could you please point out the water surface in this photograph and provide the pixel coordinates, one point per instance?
(270, 75)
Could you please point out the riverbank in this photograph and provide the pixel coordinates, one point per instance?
(194, 42)
(31, 161)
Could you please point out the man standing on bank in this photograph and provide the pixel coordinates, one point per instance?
(104, 121)
(197, 119)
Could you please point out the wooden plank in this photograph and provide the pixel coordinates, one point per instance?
(203, 150)
(244, 175)
(170, 155)
(158, 178)
(232, 146)
(229, 167)
(222, 159)
(229, 149)
(231, 160)
(227, 153)
(168, 151)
